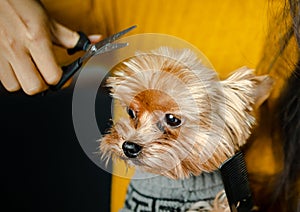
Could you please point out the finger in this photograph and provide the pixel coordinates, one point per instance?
(8, 77)
(42, 54)
(28, 76)
(67, 38)
(63, 36)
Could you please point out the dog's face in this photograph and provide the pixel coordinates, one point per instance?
(182, 119)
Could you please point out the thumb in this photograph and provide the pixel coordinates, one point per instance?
(63, 36)
(66, 37)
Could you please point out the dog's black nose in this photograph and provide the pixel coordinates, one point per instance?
(131, 149)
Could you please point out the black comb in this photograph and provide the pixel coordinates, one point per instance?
(235, 180)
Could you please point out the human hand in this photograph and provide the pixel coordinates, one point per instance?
(27, 36)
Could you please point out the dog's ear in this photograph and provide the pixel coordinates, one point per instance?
(264, 85)
(251, 89)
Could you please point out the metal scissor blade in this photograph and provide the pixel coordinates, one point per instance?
(113, 37)
(97, 47)
(106, 48)
(110, 47)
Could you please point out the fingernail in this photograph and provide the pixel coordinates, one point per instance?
(95, 38)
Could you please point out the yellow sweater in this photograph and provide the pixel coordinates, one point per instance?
(231, 33)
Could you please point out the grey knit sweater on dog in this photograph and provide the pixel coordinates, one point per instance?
(149, 193)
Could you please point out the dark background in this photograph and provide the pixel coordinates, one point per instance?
(43, 167)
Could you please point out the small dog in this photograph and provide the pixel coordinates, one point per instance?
(182, 119)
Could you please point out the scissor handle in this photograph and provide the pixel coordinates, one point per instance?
(68, 72)
(82, 44)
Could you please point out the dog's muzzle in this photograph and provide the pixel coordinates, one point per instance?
(131, 149)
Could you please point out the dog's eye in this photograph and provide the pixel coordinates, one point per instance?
(131, 113)
(172, 120)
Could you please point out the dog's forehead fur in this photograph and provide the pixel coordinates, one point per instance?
(153, 100)
(167, 74)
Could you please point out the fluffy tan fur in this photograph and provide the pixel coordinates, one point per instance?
(216, 116)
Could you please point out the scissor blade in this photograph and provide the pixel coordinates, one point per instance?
(113, 37)
(110, 47)
(97, 48)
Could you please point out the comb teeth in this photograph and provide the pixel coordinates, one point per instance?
(235, 180)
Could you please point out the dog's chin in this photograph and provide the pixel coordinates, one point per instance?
(131, 162)
(163, 169)
(167, 171)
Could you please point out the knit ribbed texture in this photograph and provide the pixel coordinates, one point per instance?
(155, 193)
(230, 33)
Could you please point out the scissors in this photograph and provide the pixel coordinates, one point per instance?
(84, 44)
